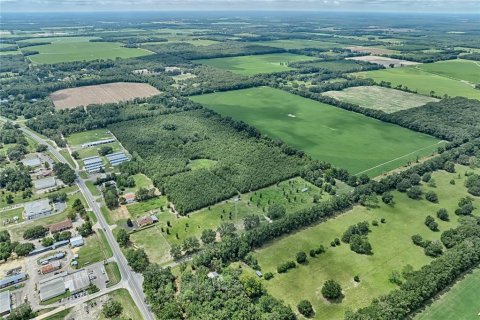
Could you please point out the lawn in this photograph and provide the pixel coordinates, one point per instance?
(249, 65)
(59, 315)
(77, 139)
(466, 70)
(95, 249)
(346, 139)
(380, 98)
(391, 243)
(93, 151)
(10, 214)
(67, 49)
(130, 310)
(423, 82)
(461, 302)
(139, 209)
(154, 244)
(113, 273)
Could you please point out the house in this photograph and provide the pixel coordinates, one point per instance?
(5, 303)
(45, 183)
(60, 226)
(129, 197)
(93, 164)
(144, 221)
(37, 209)
(53, 266)
(76, 241)
(6, 282)
(97, 143)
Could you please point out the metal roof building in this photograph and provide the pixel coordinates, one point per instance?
(32, 162)
(93, 164)
(96, 143)
(117, 158)
(45, 183)
(77, 281)
(76, 241)
(36, 209)
(12, 280)
(5, 303)
(51, 289)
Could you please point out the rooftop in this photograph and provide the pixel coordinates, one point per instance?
(51, 289)
(37, 207)
(77, 281)
(12, 279)
(60, 226)
(5, 302)
(44, 183)
(32, 162)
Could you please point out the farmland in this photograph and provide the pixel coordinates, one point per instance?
(298, 43)
(423, 82)
(391, 242)
(465, 70)
(459, 302)
(384, 61)
(371, 50)
(66, 49)
(101, 94)
(249, 65)
(325, 132)
(379, 98)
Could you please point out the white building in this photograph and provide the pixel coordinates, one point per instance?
(76, 241)
(37, 209)
(45, 183)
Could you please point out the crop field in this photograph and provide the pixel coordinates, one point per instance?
(423, 82)
(345, 139)
(249, 65)
(101, 94)
(391, 245)
(67, 49)
(380, 98)
(384, 61)
(371, 50)
(465, 70)
(299, 44)
(459, 302)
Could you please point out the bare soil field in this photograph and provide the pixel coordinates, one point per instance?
(384, 61)
(100, 94)
(371, 50)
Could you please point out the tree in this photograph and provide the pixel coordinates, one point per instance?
(251, 221)
(41, 148)
(301, 257)
(5, 250)
(387, 198)
(112, 309)
(431, 196)
(253, 288)
(415, 192)
(35, 233)
(331, 290)
(403, 185)
(75, 155)
(360, 244)
(442, 214)
(226, 228)
(434, 249)
(430, 223)
(190, 245)
(305, 308)
(449, 167)
(22, 312)
(85, 229)
(208, 236)
(123, 238)
(64, 172)
(47, 241)
(415, 179)
(176, 251)
(23, 249)
(137, 259)
(275, 211)
(104, 150)
(426, 177)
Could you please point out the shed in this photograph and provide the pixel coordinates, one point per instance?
(144, 221)
(5, 282)
(259, 273)
(32, 162)
(76, 241)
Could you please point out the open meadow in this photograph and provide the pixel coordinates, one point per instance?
(391, 245)
(67, 49)
(380, 98)
(250, 65)
(345, 139)
(459, 69)
(423, 82)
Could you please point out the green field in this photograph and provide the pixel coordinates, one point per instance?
(249, 65)
(466, 70)
(299, 44)
(422, 81)
(130, 310)
(391, 243)
(67, 49)
(77, 139)
(95, 249)
(461, 302)
(345, 139)
(154, 243)
(139, 209)
(380, 98)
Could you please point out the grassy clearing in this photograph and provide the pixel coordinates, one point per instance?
(391, 243)
(67, 49)
(249, 65)
(346, 139)
(460, 302)
(68, 157)
(154, 244)
(139, 209)
(380, 98)
(113, 273)
(77, 139)
(93, 188)
(10, 214)
(130, 310)
(95, 249)
(457, 69)
(201, 164)
(93, 151)
(423, 82)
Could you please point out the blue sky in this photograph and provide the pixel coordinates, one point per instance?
(449, 6)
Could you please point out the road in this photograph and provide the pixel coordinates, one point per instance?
(131, 280)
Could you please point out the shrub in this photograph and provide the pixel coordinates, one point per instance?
(312, 253)
(431, 196)
(415, 193)
(442, 214)
(434, 249)
(383, 220)
(301, 257)
(360, 244)
(268, 276)
(331, 290)
(112, 309)
(305, 308)
(320, 250)
(356, 279)
(286, 266)
(275, 211)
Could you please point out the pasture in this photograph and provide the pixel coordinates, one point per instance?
(370, 50)
(459, 302)
(466, 70)
(79, 138)
(391, 245)
(67, 49)
(101, 94)
(423, 82)
(346, 139)
(299, 44)
(380, 98)
(250, 65)
(384, 61)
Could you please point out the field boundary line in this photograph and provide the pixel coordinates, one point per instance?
(398, 158)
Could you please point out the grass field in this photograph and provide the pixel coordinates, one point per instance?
(139, 209)
(95, 249)
(461, 302)
(423, 82)
(113, 273)
(77, 139)
(299, 44)
(153, 242)
(391, 243)
(130, 310)
(346, 139)
(249, 65)
(67, 49)
(380, 98)
(466, 70)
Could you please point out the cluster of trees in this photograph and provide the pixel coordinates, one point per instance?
(427, 57)
(63, 172)
(356, 236)
(36, 232)
(10, 133)
(15, 179)
(473, 184)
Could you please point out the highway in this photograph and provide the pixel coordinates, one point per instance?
(132, 281)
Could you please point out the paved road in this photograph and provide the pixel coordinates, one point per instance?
(132, 281)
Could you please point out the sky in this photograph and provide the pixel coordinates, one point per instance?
(448, 6)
